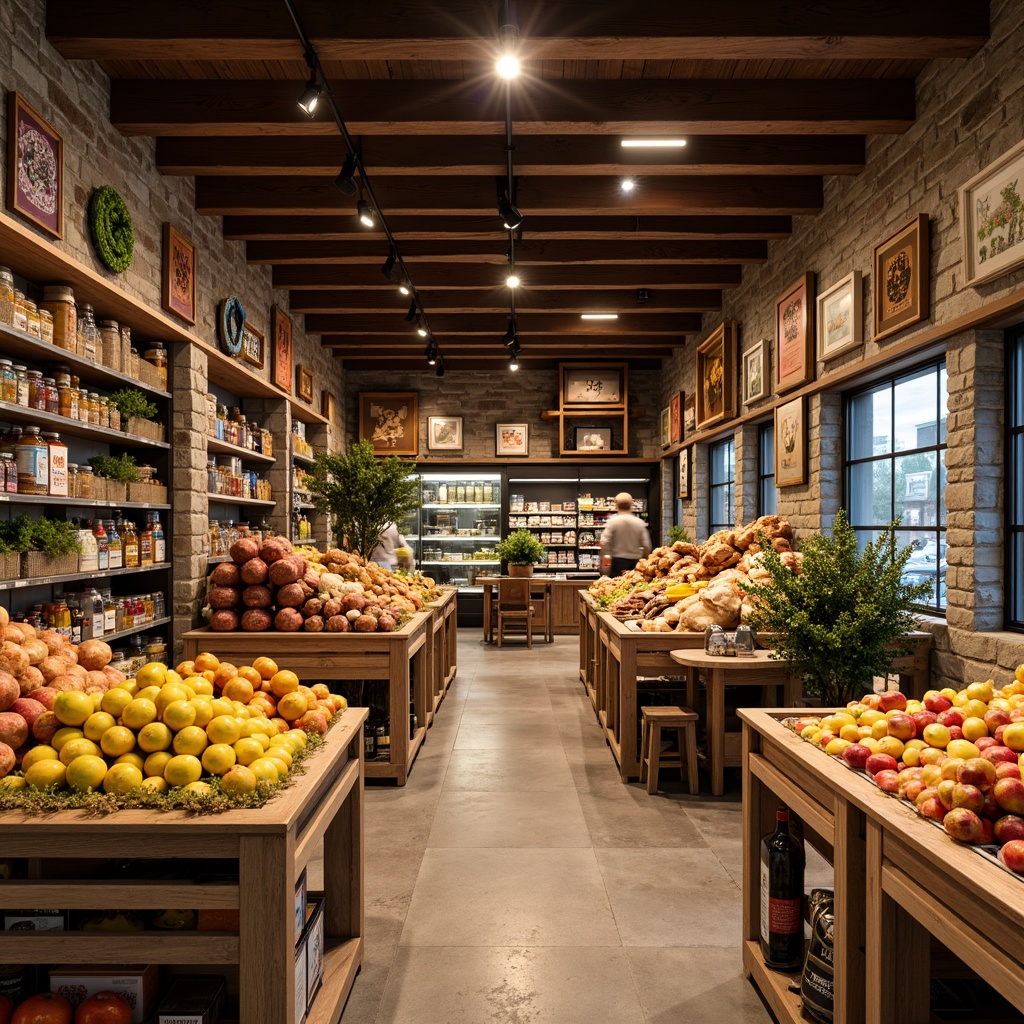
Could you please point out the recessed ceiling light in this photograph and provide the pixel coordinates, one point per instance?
(512, 280)
(508, 65)
(653, 143)
(599, 316)
(627, 184)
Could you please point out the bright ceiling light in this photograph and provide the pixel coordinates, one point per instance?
(653, 143)
(365, 213)
(508, 65)
(310, 96)
(510, 216)
(512, 280)
(403, 288)
(513, 362)
(421, 329)
(627, 184)
(599, 316)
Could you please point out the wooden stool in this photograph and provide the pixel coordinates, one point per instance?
(684, 721)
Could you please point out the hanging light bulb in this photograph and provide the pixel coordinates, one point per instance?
(365, 213)
(513, 361)
(512, 280)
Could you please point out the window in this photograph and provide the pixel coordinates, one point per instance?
(1015, 482)
(767, 495)
(722, 458)
(895, 466)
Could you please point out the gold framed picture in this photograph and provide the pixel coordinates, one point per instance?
(901, 278)
(716, 376)
(35, 167)
(790, 443)
(390, 421)
(179, 276)
(304, 383)
(794, 335)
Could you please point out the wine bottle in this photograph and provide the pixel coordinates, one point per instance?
(782, 890)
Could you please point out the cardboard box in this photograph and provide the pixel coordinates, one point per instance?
(313, 942)
(193, 999)
(137, 983)
(34, 921)
(300, 906)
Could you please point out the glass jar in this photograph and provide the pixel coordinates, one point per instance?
(157, 356)
(8, 382)
(31, 318)
(74, 488)
(88, 334)
(104, 407)
(9, 468)
(52, 401)
(211, 476)
(33, 465)
(6, 296)
(83, 405)
(59, 302)
(114, 416)
(36, 390)
(85, 481)
(57, 460)
(110, 344)
(20, 312)
(94, 408)
(23, 389)
(45, 326)
(67, 401)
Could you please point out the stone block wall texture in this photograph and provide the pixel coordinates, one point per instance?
(969, 112)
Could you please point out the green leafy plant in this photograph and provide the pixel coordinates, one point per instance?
(837, 622)
(56, 537)
(521, 548)
(121, 468)
(678, 533)
(362, 493)
(132, 402)
(111, 226)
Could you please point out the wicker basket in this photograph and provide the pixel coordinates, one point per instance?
(149, 374)
(10, 566)
(155, 494)
(145, 428)
(104, 489)
(37, 563)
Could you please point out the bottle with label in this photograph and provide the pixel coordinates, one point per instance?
(131, 545)
(95, 598)
(75, 608)
(159, 543)
(442, 493)
(88, 559)
(146, 545)
(109, 613)
(782, 892)
(33, 457)
(102, 546)
(115, 546)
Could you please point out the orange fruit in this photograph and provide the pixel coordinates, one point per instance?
(266, 769)
(115, 700)
(266, 667)
(183, 769)
(121, 778)
(238, 781)
(206, 662)
(224, 729)
(138, 713)
(237, 688)
(248, 750)
(218, 758)
(222, 706)
(224, 671)
(248, 672)
(153, 673)
(321, 690)
(97, 724)
(190, 740)
(185, 668)
(204, 712)
(179, 714)
(118, 740)
(156, 763)
(169, 693)
(85, 774)
(284, 682)
(292, 706)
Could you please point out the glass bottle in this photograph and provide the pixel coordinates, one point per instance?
(74, 488)
(75, 610)
(102, 546)
(52, 401)
(98, 612)
(131, 545)
(8, 382)
(32, 456)
(159, 544)
(36, 390)
(782, 891)
(89, 551)
(109, 613)
(6, 296)
(146, 545)
(115, 546)
(22, 377)
(88, 334)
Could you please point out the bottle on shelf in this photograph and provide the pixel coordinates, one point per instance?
(442, 493)
(102, 546)
(88, 333)
(159, 544)
(109, 613)
(782, 892)
(131, 544)
(75, 609)
(146, 545)
(88, 559)
(115, 545)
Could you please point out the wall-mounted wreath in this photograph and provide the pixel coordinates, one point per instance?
(230, 324)
(111, 227)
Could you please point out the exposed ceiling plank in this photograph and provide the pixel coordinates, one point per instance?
(537, 342)
(534, 155)
(389, 30)
(444, 324)
(383, 365)
(714, 106)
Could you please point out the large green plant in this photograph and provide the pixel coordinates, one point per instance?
(838, 622)
(54, 537)
(521, 548)
(362, 493)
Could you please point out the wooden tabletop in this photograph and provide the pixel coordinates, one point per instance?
(701, 659)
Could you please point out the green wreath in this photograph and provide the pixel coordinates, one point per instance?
(231, 324)
(111, 227)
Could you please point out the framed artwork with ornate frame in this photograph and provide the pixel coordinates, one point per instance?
(253, 346)
(675, 407)
(684, 473)
(840, 317)
(794, 335)
(756, 361)
(790, 443)
(716, 376)
(389, 420)
(281, 330)
(304, 383)
(900, 282)
(35, 167)
(179, 277)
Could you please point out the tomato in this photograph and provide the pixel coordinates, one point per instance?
(44, 1008)
(6, 1009)
(104, 1008)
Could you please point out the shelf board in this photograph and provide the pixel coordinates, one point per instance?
(227, 499)
(466, 562)
(45, 499)
(217, 559)
(304, 505)
(216, 445)
(233, 375)
(306, 460)
(44, 581)
(64, 425)
(449, 536)
(515, 512)
(107, 637)
(305, 413)
(461, 504)
(19, 345)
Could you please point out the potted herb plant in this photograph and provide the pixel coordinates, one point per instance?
(521, 550)
(49, 547)
(117, 472)
(137, 413)
(837, 622)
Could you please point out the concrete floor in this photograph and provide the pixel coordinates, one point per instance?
(515, 880)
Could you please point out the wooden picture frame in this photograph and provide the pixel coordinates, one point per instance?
(281, 331)
(590, 385)
(756, 364)
(593, 439)
(179, 274)
(389, 420)
(794, 335)
(327, 404)
(444, 433)
(304, 383)
(684, 473)
(254, 346)
(512, 439)
(35, 167)
(675, 408)
(901, 273)
(839, 319)
(716, 376)
(791, 443)
(689, 414)
(985, 202)
(666, 427)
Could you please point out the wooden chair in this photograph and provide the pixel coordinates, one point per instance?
(514, 605)
(684, 721)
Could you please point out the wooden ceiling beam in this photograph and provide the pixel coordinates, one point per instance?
(468, 364)
(559, 29)
(537, 343)
(594, 107)
(345, 227)
(535, 155)
(493, 324)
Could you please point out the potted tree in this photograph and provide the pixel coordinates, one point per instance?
(837, 622)
(521, 550)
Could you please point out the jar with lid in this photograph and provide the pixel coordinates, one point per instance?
(74, 489)
(32, 457)
(94, 408)
(88, 333)
(45, 326)
(8, 382)
(216, 544)
(67, 401)
(104, 409)
(6, 296)
(23, 389)
(31, 318)
(110, 344)
(57, 484)
(20, 312)
(52, 400)
(113, 416)
(9, 472)
(36, 390)
(83, 405)
(157, 356)
(59, 302)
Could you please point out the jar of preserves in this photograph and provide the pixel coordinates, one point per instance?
(83, 405)
(104, 407)
(20, 312)
(94, 408)
(52, 400)
(74, 490)
(85, 481)
(67, 401)
(36, 390)
(45, 326)
(59, 302)
(6, 296)
(21, 374)
(31, 318)
(8, 382)
(33, 463)
(157, 356)
(110, 344)
(88, 334)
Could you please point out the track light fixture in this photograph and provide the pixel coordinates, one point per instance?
(310, 96)
(365, 213)
(346, 179)
(440, 367)
(389, 264)
(431, 353)
(421, 329)
(512, 280)
(510, 333)
(513, 361)
(511, 218)
(404, 288)
(515, 348)
(410, 317)
(508, 32)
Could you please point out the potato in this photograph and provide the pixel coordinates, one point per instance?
(314, 606)
(94, 654)
(288, 620)
(314, 624)
(275, 548)
(332, 607)
(291, 596)
(338, 624)
(386, 624)
(365, 624)
(284, 571)
(353, 602)
(36, 651)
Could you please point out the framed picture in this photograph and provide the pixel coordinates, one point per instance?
(281, 329)
(327, 404)
(179, 283)
(901, 278)
(304, 383)
(601, 384)
(756, 361)
(512, 439)
(794, 335)
(790, 444)
(444, 433)
(689, 413)
(666, 427)
(253, 346)
(990, 210)
(840, 317)
(675, 410)
(716, 376)
(684, 473)
(35, 168)
(593, 439)
(390, 421)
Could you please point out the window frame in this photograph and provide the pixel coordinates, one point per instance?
(729, 484)
(766, 471)
(1013, 598)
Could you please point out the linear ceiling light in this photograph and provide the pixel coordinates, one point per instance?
(599, 316)
(653, 143)
(346, 179)
(365, 213)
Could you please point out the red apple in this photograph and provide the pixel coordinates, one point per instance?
(952, 716)
(1012, 855)
(870, 700)
(888, 781)
(1009, 794)
(45, 696)
(1007, 770)
(892, 700)
(984, 742)
(881, 763)
(968, 796)
(937, 702)
(29, 709)
(1008, 828)
(976, 771)
(923, 718)
(856, 755)
(46, 727)
(955, 732)
(902, 726)
(996, 717)
(13, 729)
(998, 734)
(997, 754)
(990, 810)
(933, 808)
(963, 825)
(926, 794)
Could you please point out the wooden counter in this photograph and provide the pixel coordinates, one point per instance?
(444, 641)
(270, 847)
(404, 658)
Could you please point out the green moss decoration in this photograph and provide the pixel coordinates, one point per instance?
(111, 227)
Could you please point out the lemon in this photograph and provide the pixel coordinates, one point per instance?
(131, 758)
(156, 763)
(122, 778)
(117, 741)
(45, 773)
(61, 736)
(86, 773)
(39, 753)
(266, 769)
(224, 729)
(155, 736)
(97, 724)
(238, 781)
(190, 740)
(183, 769)
(140, 712)
(218, 758)
(156, 783)
(248, 750)
(73, 707)
(76, 748)
(178, 714)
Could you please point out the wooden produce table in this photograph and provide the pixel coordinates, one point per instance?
(565, 605)
(403, 657)
(719, 672)
(270, 846)
(914, 668)
(540, 595)
(899, 882)
(444, 640)
(590, 645)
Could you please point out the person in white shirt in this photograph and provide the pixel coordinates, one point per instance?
(385, 554)
(625, 540)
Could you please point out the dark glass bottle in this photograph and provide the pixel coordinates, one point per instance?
(782, 891)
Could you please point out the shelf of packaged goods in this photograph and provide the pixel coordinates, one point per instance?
(555, 566)
(44, 581)
(304, 506)
(449, 536)
(466, 561)
(118, 634)
(76, 428)
(301, 411)
(547, 526)
(18, 345)
(516, 512)
(552, 544)
(461, 504)
(305, 460)
(228, 499)
(216, 446)
(43, 499)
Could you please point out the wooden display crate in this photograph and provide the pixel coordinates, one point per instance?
(270, 846)
(444, 645)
